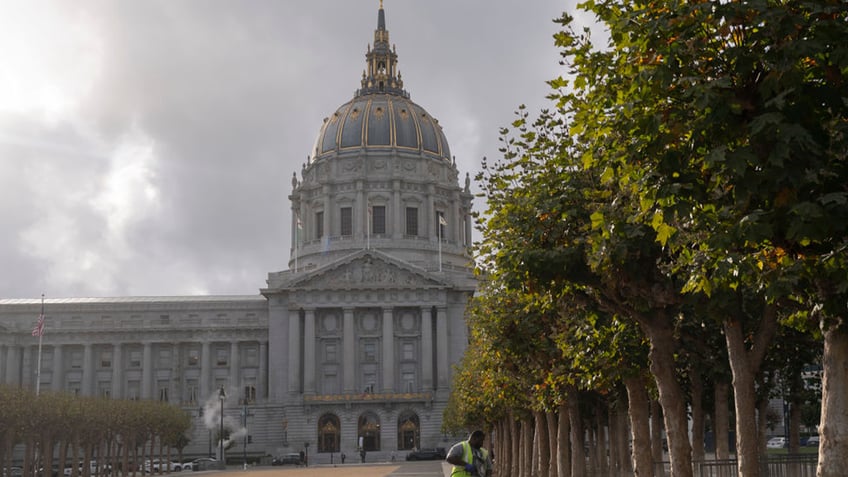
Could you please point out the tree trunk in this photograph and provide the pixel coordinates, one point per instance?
(515, 428)
(833, 448)
(613, 431)
(551, 422)
(578, 454)
(542, 445)
(563, 443)
(624, 443)
(745, 400)
(660, 333)
(657, 451)
(602, 448)
(526, 448)
(697, 405)
(721, 421)
(640, 429)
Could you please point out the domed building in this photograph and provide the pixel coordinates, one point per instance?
(350, 348)
(370, 316)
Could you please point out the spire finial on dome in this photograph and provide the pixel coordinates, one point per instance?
(381, 73)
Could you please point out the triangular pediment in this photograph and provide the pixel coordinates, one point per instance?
(367, 269)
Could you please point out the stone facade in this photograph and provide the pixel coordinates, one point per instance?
(352, 347)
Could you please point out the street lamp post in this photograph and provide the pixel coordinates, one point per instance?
(244, 443)
(222, 396)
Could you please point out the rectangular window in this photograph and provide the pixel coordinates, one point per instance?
(408, 352)
(191, 391)
(163, 391)
(132, 390)
(369, 352)
(378, 220)
(441, 225)
(251, 356)
(346, 214)
(47, 359)
(221, 356)
(370, 382)
(249, 394)
(135, 358)
(408, 381)
(76, 359)
(164, 357)
(106, 359)
(412, 221)
(319, 224)
(330, 354)
(329, 384)
(193, 357)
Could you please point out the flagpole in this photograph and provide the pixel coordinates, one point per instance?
(296, 240)
(38, 366)
(439, 226)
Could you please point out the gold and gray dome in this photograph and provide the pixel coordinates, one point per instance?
(381, 116)
(381, 177)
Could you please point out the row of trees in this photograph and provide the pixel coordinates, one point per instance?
(674, 227)
(59, 430)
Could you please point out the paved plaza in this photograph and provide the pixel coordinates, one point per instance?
(400, 469)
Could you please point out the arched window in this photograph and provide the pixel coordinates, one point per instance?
(369, 431)
(408, 431)
(329, 433)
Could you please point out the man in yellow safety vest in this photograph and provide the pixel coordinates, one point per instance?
(469, 458)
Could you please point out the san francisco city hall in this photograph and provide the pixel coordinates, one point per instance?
(352, 345)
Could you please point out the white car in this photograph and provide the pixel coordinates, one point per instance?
(152, 467)
(776, 443)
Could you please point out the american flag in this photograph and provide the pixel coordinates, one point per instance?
(39, 326)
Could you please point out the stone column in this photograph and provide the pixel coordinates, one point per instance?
(360, 212)
(442, 348)
(388, 351)
(58, 380)
(398, 223)
(88, 370)
(262, 379)
(235, 379)
(205, 370)
(328, 213)
(430, 215)
(309, 352)
(348, 352)
(28, 367)
(468, 221)
(147, 372)
(117, 371)
(177, 382)
(295, 366)
(427, 349)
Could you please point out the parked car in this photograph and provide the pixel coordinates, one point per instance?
(293, 458)
(812, 441)
(154, 466)
(13, 472)
(436, 453)
(776, 443)
(206, 463)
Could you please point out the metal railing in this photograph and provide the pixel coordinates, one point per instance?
(789, 465)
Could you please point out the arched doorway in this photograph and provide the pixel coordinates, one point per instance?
(329, 433)
(369, 431)
(408, 426)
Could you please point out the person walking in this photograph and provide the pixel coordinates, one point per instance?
(469, 458)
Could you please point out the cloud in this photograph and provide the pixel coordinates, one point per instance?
(147, 148)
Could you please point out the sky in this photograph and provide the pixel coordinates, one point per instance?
(147, 147)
